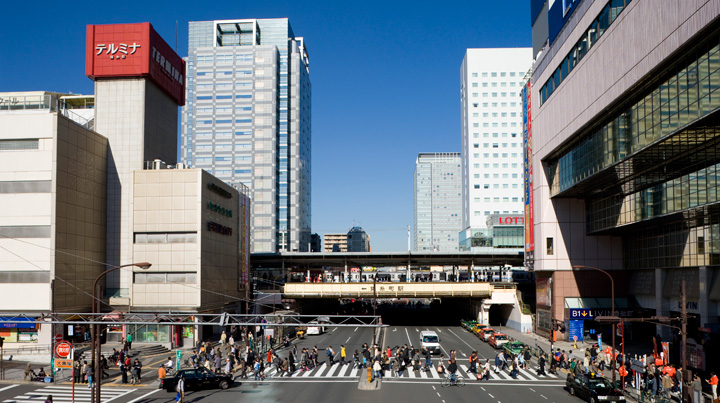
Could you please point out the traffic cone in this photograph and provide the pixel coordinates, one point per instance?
(527, 330)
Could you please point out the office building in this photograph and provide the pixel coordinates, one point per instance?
(491, 111)
(335, 243)
(438, 202)
(247, 121)
(623, 122)
(358, 240)
(53, 186)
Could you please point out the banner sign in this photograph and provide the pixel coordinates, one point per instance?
(580, 314)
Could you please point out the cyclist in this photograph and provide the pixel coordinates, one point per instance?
(452, 368)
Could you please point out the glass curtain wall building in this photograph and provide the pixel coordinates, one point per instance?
(438, 192)
(628, 176)
(247, 121)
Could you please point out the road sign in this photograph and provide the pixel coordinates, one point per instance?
(58, 338)
(63, 363)
(63, 349)
(580, 314)
(576, 330)
(178, 356)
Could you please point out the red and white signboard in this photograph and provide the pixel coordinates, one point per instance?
(134, 50)
(63, 349)
(58, 338)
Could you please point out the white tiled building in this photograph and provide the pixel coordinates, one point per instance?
(492, 153)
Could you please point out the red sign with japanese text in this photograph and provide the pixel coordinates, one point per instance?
(134, 50)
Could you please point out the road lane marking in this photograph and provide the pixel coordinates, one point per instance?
(423, 374)
(348, 339)
(491, 396)
(433, 386)
(408, 336)
(144, 396)
(111, 399)
(471, 347)
(438, 393)
(434, 372)
(9, 387)
(334, 329)
(469, 374)
(486, 390)
(411, 374)
(503, 375)
(355, 329)
(543, 397)
(333, 369)
(532, 389)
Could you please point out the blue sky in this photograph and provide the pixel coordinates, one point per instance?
(385, 80)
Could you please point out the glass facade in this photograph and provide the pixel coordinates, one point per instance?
(660, 116)
(438, 205)
(597, 28)
(652, 166)
(247, 121)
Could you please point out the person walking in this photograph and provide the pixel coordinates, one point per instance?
(137, 366)
(129, 340)
(89, 375)
(342, 354)
(541, 363)
(713, 381)
(330, 355)
(180, 389)
(49, 399)
(223, 338)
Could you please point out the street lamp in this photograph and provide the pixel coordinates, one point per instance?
(612, 307)
(97, 371)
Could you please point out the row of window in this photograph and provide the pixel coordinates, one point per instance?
(497, 186)
(29, 144)
(498, 199)
(495, 176)
(495, 94)
(487, 213)
(496, 155)
(225, 58)
(496, 145)
(220, 97)
(487, 135)
(675, 245)
(495, 84)
(495, 124)
(222, 133)
(607, 16)
(495, 114)
(166, 278)
(487, 166)
(500, 74)
(691, 92)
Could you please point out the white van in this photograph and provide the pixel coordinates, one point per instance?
(430, 339)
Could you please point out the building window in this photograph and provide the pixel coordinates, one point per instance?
(549, 242)
(29, 144)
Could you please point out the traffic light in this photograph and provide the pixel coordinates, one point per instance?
(2, 340)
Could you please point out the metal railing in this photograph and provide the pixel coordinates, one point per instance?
(27, 102)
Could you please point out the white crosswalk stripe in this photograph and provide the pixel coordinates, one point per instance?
(65, 394)
(339, 372)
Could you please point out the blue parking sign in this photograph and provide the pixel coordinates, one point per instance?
(576, 330)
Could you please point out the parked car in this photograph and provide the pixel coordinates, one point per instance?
(514, 347)
(478, 327)
(593, 388)
(497, 340)
(196, 379)
(485, 333)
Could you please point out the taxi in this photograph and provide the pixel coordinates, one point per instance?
(485, 333)
(593, 388)
(478, 327)
(497, 340)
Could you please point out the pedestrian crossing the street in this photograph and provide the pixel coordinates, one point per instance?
(65, 394)
(348, 371)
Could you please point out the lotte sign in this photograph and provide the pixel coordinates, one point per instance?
(63, 349)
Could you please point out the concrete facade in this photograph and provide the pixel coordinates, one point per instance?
(140, 122)
(194, 227)
(53, 186)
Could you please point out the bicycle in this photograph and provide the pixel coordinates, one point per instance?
(447, 382)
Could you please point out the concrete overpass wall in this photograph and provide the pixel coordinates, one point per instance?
(387, 290)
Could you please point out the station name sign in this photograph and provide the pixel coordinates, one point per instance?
(134, 50)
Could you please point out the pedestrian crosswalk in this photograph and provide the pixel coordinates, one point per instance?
(65, 394)
(347, 371)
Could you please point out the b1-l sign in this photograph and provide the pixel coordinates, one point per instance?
(580, 314)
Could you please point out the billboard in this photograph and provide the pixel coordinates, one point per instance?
(528, 174)
(134, 50)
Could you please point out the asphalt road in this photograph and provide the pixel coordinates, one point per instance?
(340, 383)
